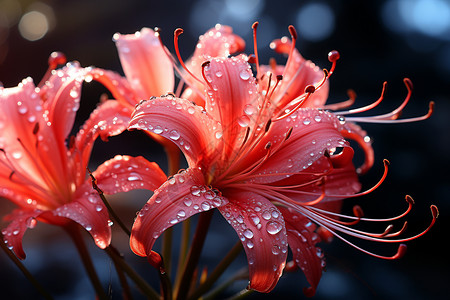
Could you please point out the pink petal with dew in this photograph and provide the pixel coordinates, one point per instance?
(180, 197)
(261, 229)
(302, 240)
(110, 118)
(184, 123)
(123, 173)
(21, 220)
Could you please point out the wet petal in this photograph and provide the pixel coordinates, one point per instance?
(182, 122)
(116, 84)
(180, 197)
(124, 173)
(302, 240)
(232, 98)
(28, 139)
(145, 64)
(313, 133)
(89, 211)
(219, 41)
(21, 220)
(108, 119)
(261, 229)
(297, 75)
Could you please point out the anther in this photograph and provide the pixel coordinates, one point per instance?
(333, 56)
(36, 128)
(56, 58)
(288, 133)
(251, 59)
(268, 125)
(293, 32)
(310, 89)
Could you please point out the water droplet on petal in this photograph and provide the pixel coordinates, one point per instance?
(206, 206)
(249, 109)
(243, 121)
(248, 233)
(174, 135)
(306, 121)
(273, 227)
(191, 110)
(158, 129)
(244, 74)
(219, 74)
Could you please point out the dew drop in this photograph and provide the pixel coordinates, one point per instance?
(243, 121)
(174, 135)
(191, 110)
(244, 74)
(306, 122)
(219, 74)
(181, 214)
(16, 232)
(317, 118)
(249, 109)
(17, 154)
(134, 176)
(219, 134)
(248, 233)
(158, 129)
(206, 206)
(273, 227)
(88, 227)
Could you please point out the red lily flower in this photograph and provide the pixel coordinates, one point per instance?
(45, 177)
(263, 176)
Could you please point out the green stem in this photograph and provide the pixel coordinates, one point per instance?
(194, 254)
(110, 210)
(126, 293)
(75, 234)
(241, 295)
(25, 271)
(215, 274)
(184, 244)
(240, 274)
(141, 283)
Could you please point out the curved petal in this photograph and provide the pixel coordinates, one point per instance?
(21, 220)
(312, 133)
(182, 122)
(261, 229)
(232, 98)
(108, 119)
(302, 240)
(116, 84)
(297, 74)
(124, 173)
(61, 94)
(180, 197)
(89, 211)
(29, 140)
(145, 63)
(219, 41)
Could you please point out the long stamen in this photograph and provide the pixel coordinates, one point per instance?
(255, 48)
(177, 33)
(368, 107)
(345, 104)
(309, 90)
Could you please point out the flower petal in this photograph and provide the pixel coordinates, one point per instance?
(29, 140)
(180, 197)
(108, 119)
(145, 64)
(314, 132)
(219, 41)
(116, 84)
(182, 122)
(302, 240)
(89, 211)
(261, 229)
(297, 75)
(232, 98)
(61, 94)
(124, 173)
(21, 220)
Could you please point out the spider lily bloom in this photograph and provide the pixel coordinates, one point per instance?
(246, 166)
(45, 177)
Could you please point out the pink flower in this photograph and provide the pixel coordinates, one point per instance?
(264, 176)
(43, 171)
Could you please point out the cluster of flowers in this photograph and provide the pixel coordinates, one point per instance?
(262, 147)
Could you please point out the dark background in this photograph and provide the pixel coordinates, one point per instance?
(378, 41)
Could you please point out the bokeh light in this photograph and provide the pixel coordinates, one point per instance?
(315, 21)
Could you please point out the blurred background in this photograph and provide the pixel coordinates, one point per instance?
(378, 41)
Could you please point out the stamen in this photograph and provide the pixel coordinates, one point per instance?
(345, 104)
(204, 65)
(177, 33)
(368, 107)
(308, 90)
(54, 60)
(255, 48)
(333, 57)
